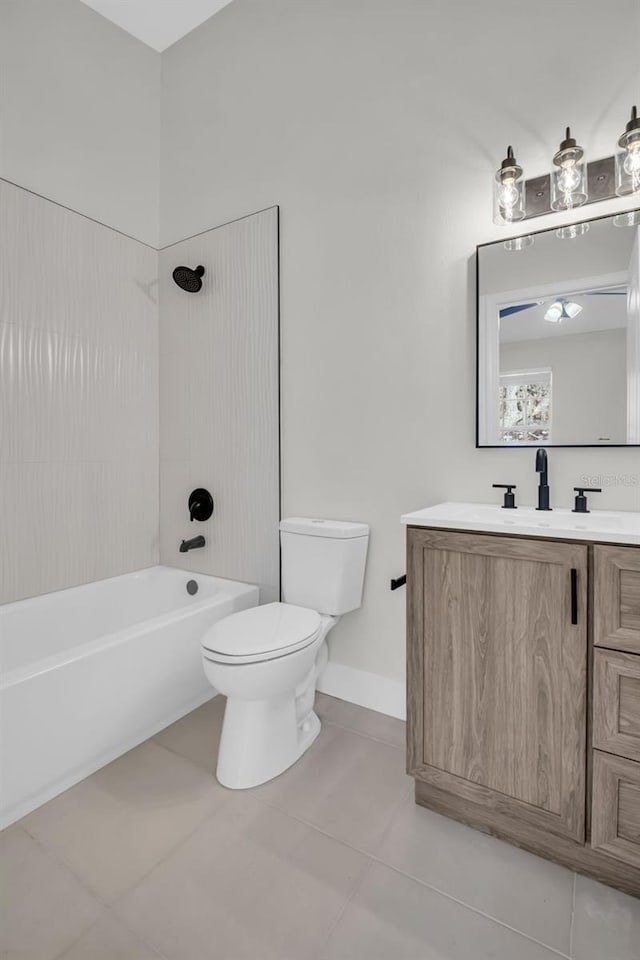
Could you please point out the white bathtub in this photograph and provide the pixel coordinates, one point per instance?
(88, 673)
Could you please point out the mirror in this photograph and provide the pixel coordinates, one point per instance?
(559, 336)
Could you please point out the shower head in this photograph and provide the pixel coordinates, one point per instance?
(189, 279)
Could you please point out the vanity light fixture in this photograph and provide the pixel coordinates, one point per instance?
(628, 158)
(569, 176)
(571, 183)
(508, 191)
(562, 310)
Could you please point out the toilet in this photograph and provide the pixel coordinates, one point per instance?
(266, 660)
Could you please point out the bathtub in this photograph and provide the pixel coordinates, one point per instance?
(88, 673)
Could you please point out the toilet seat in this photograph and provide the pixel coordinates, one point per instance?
(261, 633)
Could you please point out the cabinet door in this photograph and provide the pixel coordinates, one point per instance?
(497, 673)
(616, 703)
(615, 819)
(617, 598)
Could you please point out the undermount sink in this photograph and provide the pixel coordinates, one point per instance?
(604, 526)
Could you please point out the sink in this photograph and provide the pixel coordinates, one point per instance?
(601, 525)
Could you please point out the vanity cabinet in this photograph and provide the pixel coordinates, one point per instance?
(523, 692)
(498, 674)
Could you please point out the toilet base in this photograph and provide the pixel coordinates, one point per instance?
(261, 739)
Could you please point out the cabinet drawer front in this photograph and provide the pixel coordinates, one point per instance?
(615, 822)
(616, 703)
(617, 598)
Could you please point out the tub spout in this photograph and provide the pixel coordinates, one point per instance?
(192, 544)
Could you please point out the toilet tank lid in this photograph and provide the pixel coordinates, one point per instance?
(336, 529)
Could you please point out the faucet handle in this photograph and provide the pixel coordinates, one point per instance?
(581, 500)
(509, 497)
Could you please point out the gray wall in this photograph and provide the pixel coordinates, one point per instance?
(377, 127)
(78, 399)
(589, 385)
(80, 112)
(219, 402)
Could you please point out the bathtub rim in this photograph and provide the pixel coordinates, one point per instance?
(17, 675)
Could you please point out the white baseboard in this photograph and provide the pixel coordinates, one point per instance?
(365, 689)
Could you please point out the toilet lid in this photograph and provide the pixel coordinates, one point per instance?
(261, 632)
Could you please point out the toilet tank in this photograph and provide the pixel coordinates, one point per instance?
(323, 563)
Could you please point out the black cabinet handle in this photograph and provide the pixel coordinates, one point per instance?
(574, 596)
(399, 582)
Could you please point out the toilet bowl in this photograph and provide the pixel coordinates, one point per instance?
(269, 720)
(266, 660)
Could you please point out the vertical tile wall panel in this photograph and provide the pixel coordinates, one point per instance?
(219, 417)
(78, 399)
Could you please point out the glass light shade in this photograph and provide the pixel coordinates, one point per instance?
(630, 219)
(519, 243)
(553, 313)
(572, 231)
(562, 310)
(628, 159)
(508, 191)
(569, 176)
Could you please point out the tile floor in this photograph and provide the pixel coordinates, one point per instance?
(152, 858)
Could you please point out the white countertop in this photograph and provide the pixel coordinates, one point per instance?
(600, 525)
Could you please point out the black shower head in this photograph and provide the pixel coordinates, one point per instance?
(188, 279)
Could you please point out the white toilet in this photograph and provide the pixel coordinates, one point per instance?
(266, 660)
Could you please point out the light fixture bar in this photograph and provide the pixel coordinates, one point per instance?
(601, 179)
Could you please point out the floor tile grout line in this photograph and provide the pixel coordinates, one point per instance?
(377, 859)
(110, 903)
(162, 860)
(356, 887)
(331, 723)
(370, 858)
(136, 933)
(182, 756)
(361, 733)
(374, 858)
(76, 940)
(118, 920)
(573, 913)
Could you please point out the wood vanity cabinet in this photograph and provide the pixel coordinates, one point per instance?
(523, 693)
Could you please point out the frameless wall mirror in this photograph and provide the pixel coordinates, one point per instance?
(559, 336)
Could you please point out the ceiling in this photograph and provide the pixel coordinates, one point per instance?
(158, 23)
(598, 313)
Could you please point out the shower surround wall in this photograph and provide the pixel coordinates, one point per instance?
(81, 464)
(78, 399)
(219, 416)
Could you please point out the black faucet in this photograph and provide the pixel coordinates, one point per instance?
(542, 467)
(193, 544)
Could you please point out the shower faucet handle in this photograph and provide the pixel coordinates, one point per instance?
(200, 504)
(509, 497)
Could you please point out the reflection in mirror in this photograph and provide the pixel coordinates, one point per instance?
(559, 337)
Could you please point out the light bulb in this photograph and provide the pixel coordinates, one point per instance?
(632, 161)
(508, 191)
(628, 158)
(508, 196)
(569, 178)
